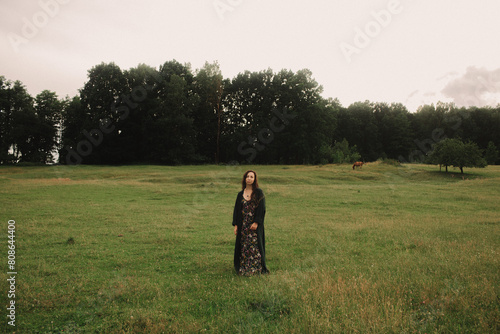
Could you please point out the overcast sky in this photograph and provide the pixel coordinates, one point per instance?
(409, 51)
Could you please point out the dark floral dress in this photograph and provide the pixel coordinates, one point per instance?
(250, 259)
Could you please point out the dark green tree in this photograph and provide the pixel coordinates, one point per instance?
(248, 103)
(24, 124)
(106, 101)
(358, 125)
(481, 126)
(343, 153)
(208, 115)
(276, 118)
(6, 109)
(444, 153)
(143, 89)
(310, 134)
(170, 135)
(48, 109)
(469, 156)
(491, 154)
(394, 130)
(454, 152)
(74, 119)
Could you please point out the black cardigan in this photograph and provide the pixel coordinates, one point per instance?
(259, 215)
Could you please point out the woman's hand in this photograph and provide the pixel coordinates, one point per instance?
(254, 226)
(235, 229)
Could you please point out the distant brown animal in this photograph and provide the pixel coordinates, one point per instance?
(357, 164)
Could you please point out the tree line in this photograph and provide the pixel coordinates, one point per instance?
(174, 115)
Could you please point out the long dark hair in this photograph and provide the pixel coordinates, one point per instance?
(255, 184)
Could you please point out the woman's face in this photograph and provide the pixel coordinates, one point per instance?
(250, 178)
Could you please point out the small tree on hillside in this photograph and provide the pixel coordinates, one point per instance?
(444, 153)
(454, 152)
(470, 156)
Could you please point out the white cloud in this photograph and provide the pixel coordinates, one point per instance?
(477, 87)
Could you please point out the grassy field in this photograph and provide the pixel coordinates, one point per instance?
(134, 249)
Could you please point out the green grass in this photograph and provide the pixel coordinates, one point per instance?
(134, 249)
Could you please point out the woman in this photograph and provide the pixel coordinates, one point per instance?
(248, 222)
